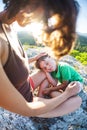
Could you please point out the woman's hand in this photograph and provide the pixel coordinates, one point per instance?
(40, 55)
(35, 58)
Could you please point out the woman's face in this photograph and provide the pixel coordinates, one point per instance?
(48, 64)
(27, 15)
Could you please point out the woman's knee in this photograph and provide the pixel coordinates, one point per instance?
(78, 101)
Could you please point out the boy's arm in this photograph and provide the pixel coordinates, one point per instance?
(51, 79)
(62, 86)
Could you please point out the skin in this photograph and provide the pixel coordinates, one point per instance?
(13, 101)
(49, 65)
(24, 17)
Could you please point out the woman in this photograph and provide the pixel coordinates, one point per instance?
(15, 90)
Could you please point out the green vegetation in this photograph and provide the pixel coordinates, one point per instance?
(26, 38)
(26, 46)
(80, 52)
(81, 44)
(81, 56)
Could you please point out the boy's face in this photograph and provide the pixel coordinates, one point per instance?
(48, 65)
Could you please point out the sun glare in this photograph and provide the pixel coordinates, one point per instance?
(34, 28)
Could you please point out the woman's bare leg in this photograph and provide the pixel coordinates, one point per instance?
(55, 94)
(66, 107)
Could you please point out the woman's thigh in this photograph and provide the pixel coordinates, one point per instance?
(55, 94)
(66, 107)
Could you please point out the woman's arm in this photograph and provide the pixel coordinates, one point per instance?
(35, 58)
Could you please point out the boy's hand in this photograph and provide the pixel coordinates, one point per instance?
(47, 91)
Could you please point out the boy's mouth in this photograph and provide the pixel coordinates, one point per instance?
(50, 69)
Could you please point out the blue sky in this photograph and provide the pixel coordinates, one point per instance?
(82, 18)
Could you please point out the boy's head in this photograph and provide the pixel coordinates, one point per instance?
(46, 63)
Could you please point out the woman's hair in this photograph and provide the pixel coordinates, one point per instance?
(14, 6)
(42, 58)
(60, 34)
(59, 21)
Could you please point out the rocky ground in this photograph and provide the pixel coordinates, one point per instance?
(73, 121)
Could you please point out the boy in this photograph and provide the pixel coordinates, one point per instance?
(62, 72)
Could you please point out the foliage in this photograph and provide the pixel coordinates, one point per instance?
(82, 48)
(26, 38)
(82, 39)
(81, 44)
(27, 46)
(80, 52)
(81, 56)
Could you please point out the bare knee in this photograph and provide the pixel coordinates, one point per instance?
(79, 100)
(38, 78)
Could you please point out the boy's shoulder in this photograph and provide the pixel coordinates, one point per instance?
(62, 63)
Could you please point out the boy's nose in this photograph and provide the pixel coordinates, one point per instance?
(48, 67)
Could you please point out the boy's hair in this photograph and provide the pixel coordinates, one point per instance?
(42, 58)
(60, 36)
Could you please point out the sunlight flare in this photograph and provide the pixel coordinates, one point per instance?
(36, 29)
